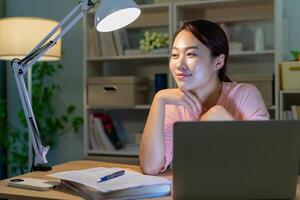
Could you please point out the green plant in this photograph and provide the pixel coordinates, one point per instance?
(12, 142)
(296, 54)
(3, 130)
(51, 125)
(154, 40)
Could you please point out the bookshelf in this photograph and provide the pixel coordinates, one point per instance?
(240, 19)
(288, 98)
(290, 90)
(128, 120)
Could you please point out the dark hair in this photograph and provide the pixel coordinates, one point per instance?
(213, 37)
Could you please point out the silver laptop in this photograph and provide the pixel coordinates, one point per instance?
(236, 160)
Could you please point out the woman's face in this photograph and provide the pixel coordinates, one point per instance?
(191, 63)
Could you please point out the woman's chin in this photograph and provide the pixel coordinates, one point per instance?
(184, 87)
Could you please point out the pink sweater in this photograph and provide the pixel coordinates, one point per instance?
(243, 101)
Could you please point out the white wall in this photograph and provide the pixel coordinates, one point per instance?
(291, 12)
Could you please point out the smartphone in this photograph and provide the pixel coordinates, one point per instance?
(33, 183)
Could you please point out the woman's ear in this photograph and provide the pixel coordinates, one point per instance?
(219, 62)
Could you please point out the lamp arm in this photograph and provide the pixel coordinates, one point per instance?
(43, 47)
(39, 150)
(20, 67)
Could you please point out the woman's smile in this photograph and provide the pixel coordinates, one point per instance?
(182, 76)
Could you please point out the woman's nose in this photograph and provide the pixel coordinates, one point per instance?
(181, 65)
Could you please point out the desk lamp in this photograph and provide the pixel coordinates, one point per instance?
(110, 15)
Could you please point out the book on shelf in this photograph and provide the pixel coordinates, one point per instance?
(288, 115)
(296, 112)
(99, 136)
(103, 135)
(118, 43)
(93, 145)
(109, 129)
(124, 39)
(130, 185)
(93, 42)
(97, 43)
(106, 44)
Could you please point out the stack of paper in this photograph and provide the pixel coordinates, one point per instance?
(131, 185)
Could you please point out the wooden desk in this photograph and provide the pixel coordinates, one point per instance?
(61, 193)
(16, 193)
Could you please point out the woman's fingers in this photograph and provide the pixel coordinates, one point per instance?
(180, 97)
(195, 100)
(192, 105)
(188, 106)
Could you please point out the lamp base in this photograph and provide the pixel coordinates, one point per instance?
(41, 168)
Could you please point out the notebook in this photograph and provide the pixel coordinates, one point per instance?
(236, 160)
(131, 185)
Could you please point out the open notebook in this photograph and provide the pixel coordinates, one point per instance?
(131, 185)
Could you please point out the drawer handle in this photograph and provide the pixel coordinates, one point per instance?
(110, 88)
(295, 68)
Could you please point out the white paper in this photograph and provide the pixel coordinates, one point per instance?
(130, 179)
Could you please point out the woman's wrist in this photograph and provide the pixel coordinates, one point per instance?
(159, 98)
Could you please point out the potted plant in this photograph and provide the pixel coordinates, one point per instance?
(154, 41)
(296, 55)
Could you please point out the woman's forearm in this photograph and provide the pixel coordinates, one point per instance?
(217, 113)
(152, 147)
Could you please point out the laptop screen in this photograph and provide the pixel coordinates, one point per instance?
(236, 159)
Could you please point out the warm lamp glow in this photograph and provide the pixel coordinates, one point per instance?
(19, 35)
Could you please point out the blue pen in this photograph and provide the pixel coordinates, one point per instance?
(111, 176)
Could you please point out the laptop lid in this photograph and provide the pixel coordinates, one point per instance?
(236, 159)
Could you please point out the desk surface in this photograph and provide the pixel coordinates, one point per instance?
(16, 193)
(61, 193)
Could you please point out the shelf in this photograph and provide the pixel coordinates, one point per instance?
(252, 53)
(154, 8)
(227, 10)
(273, 107)
(136, 107)
(257, 56)
(289, 91)
(153, 15)
(205, 4)
(129, 150)
(128, 58)
(166, 56)
(141, 107)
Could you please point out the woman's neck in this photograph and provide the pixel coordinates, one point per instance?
(210, 93)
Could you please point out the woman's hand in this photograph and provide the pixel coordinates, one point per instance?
(152, 146)
(180, 97)
(217, 113)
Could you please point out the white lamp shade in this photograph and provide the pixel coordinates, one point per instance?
(115, 14)
(19, 35)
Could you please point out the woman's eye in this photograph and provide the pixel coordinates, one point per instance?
(174, 55)
(191, 54)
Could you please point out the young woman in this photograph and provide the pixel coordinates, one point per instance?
(198, 64)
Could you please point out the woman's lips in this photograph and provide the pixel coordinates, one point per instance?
(183, 76)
